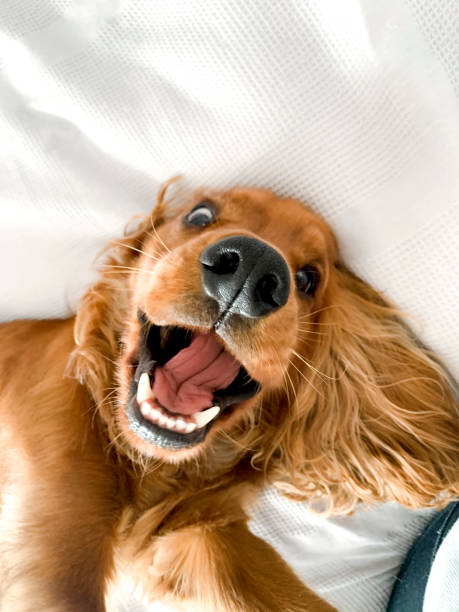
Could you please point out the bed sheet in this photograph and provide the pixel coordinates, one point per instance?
(350, 105)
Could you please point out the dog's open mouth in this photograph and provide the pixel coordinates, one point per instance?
(184, 382)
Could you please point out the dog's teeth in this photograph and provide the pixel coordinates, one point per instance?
(170, 423)
(155, 413)
(205, 416)
(180, 425)
(145, 409)
(157, 416)
(144, 391)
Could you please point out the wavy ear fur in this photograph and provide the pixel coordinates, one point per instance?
(376, 418)
(103, 310)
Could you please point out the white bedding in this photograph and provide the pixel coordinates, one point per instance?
(351, 105)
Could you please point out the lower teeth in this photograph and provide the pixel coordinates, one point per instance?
(155, 416)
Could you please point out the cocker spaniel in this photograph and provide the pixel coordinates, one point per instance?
(225, 346)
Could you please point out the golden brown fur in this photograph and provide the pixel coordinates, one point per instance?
(352, 409)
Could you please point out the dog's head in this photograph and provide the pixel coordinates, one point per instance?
(232, 318)
(218, 297)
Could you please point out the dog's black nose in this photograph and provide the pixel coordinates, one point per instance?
(245, 275)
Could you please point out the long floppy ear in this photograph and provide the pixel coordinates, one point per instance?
(377, 418)
(104, 308)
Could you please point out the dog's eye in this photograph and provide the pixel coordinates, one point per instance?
(203, 214)
(307, 279)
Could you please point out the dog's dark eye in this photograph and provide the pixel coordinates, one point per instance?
(307, 279)
(203, 214)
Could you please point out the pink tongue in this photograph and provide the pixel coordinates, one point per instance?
(185, 384)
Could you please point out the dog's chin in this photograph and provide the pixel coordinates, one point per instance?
(176, 431)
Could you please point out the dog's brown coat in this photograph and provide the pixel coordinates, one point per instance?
(352, 409)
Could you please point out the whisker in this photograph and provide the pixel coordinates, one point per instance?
(99, 404)
(108, 359)
(157, 235)
(310, 314)
(305, 378)
(115, 267)
(141, 251)
(114, 440)
(286, 378)
(121, 272)
(303, 330)
(318, 324)
(312, 367)
(295, 397)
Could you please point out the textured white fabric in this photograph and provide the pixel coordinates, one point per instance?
(350, 105)
(351, 561)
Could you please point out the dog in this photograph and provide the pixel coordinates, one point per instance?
(225, 346)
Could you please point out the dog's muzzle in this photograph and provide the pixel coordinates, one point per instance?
(245, 276)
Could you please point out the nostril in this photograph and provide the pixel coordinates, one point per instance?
(266, 289)
(245, 276)
(225, 262)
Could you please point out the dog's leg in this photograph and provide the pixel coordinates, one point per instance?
(55, 547)
(224, 569)
(59, 497)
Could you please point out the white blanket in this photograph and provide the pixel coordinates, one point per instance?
(350, 105)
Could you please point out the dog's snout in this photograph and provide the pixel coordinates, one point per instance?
(245, 275)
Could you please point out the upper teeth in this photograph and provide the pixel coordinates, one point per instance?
(200, 419)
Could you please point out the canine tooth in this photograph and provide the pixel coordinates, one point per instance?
(144, 391)
(206, 416)
(180, 425)
(190, 427)
(162, 420)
